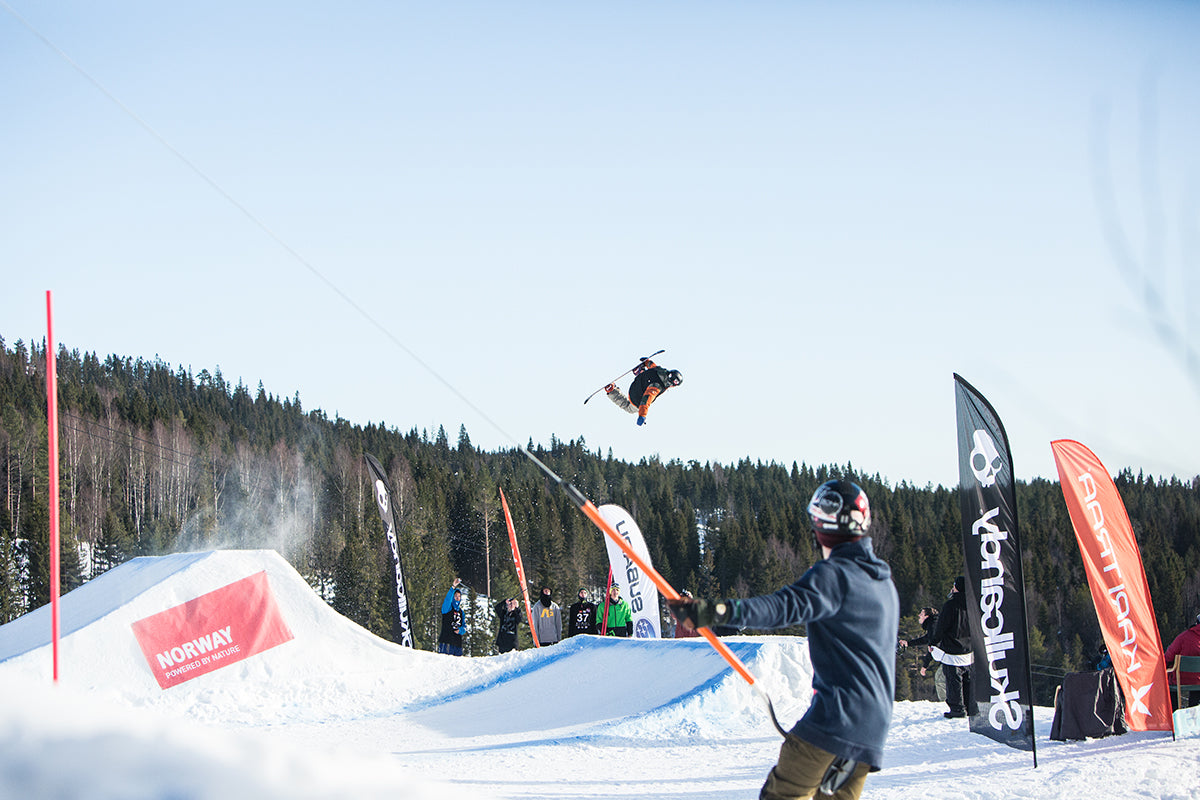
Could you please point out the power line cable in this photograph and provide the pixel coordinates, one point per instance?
(260, 224)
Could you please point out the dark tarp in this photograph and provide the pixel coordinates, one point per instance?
(1089, 706)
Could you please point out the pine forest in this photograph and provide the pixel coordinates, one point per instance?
(156, 460)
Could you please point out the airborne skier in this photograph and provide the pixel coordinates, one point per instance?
(651, 381)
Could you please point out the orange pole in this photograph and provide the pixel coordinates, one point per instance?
(668, 591)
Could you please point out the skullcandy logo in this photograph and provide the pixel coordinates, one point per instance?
(381, 496)
(829, 509)
(826, 505)
(985, 459)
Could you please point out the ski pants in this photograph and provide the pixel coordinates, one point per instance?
(800, 770)
(959, 694)
(621, 401)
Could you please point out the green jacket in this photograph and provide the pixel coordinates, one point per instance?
(620, 618)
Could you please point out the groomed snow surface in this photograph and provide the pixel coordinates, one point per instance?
(340, 713)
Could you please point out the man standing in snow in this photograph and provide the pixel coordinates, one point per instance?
(950, 644)
(454, 623)
(849, 604)
(615, 617)
(651, 381)
(509, 613)
(582, 615)
(547, 619)
(928, 618)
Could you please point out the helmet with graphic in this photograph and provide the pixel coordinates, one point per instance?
(674, 377)
(839, 511)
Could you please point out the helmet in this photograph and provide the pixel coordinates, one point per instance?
(840, 508)
(674, 377)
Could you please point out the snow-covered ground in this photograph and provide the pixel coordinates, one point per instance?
(339, 713)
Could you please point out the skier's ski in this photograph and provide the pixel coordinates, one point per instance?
(623, 374)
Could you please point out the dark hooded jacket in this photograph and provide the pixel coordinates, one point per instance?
(953, 632)
(850, 606)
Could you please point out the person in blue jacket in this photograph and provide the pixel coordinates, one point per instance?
(454, 622)
(852, 613)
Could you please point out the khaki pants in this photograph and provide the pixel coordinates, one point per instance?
(800, 770)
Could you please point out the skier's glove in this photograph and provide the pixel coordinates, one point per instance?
(694, 613)
(641, 420)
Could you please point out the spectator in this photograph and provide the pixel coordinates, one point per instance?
(683, 631)
(850, 607)
(1185, 644)
(508, 612)
(615, 618)
(547, 619)
(951, 646)
(454, 623)
(1103, 659)
(582, 615)
(928, 617)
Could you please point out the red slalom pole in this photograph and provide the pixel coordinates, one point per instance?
(52, 436)
(607, 592)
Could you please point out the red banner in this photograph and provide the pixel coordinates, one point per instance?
(1118, 582)
(212, 631)
(512, 539)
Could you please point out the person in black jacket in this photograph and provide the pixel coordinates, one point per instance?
(928, 618)
(581, 615)
(951, 645)
(850, 607)
(651, 381)
(509, 613)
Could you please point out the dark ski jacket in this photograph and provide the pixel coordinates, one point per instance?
(652, 382)
(849, 603)
(582, 618)
(926, 638)
(929, 626)
(454, 624)
(506, 639)
(953, 632)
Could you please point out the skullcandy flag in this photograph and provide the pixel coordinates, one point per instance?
(401, 626)
(1001, 679)
(1118, 582)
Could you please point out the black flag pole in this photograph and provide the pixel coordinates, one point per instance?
(401, 626)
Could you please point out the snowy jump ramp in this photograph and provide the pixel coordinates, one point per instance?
(329, 667)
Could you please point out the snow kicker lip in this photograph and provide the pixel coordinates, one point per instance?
(662, 674)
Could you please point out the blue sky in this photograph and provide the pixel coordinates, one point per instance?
(822, 211)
